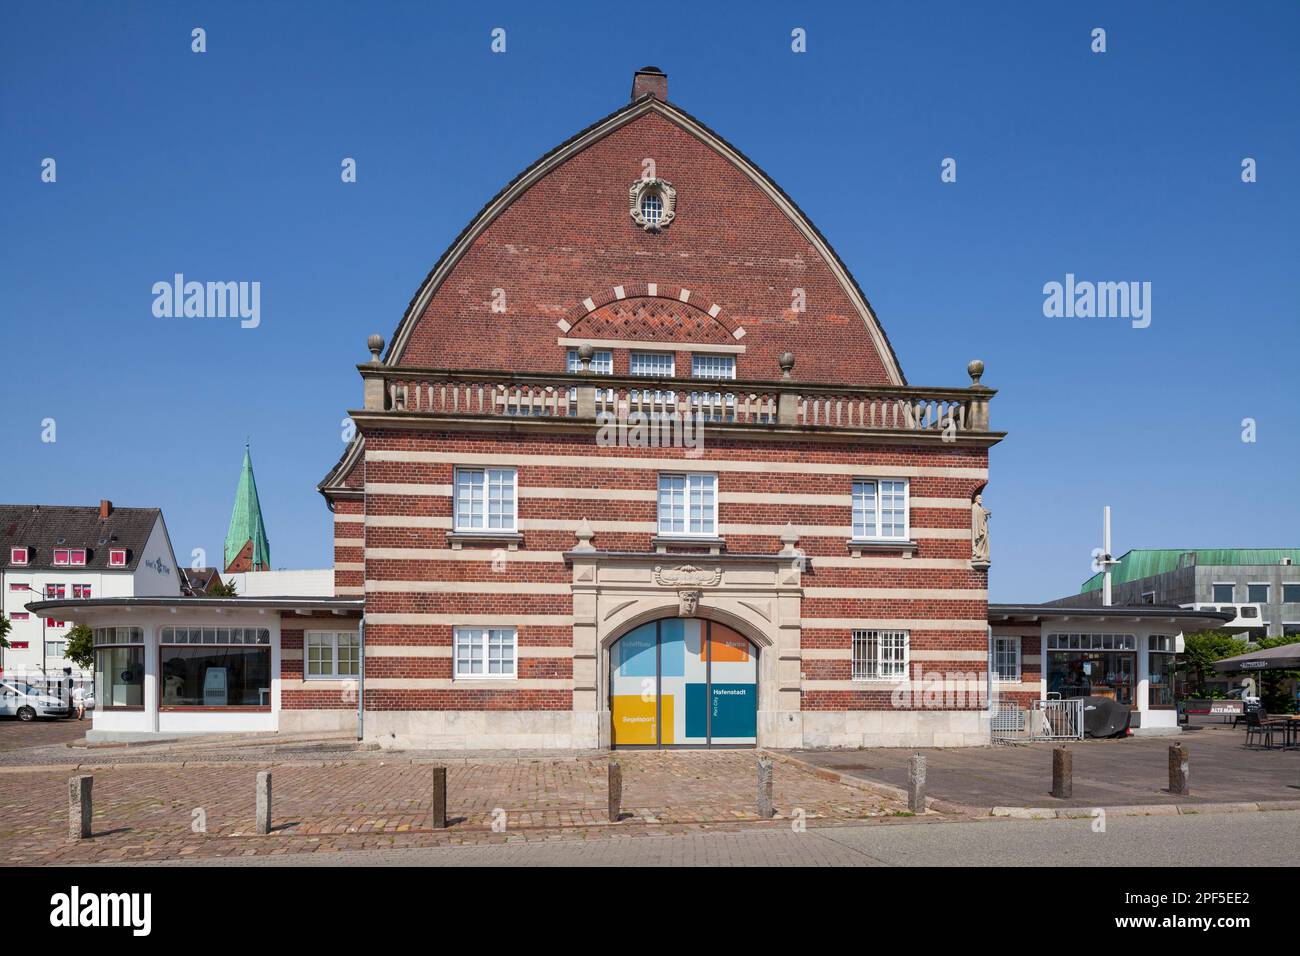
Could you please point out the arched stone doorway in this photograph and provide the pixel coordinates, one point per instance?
(683, 682)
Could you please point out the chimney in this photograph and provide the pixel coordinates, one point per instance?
(105, 508)
(652, 80)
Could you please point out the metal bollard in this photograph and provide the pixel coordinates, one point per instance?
(264, 801)
(438, 814)
(916, 783)
(615, 791)
(1179, 770)
(766, 808)
(79, 791)
(1062, 773)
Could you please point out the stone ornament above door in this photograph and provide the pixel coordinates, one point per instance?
(687, 575)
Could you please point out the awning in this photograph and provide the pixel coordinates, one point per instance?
(1284, 657)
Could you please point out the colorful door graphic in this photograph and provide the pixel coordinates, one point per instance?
(682, 682)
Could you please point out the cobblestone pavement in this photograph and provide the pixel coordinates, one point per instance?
(46, 732)
(206, 809)
(1147, 841)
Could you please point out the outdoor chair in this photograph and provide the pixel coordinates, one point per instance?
(1258, 725)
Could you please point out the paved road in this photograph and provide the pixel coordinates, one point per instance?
(16, 734)
(1107, 773)
(1201, 840)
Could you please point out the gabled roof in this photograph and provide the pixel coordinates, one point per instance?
(42, 528)
(580, 141)
(1147, 562)
(246, 520)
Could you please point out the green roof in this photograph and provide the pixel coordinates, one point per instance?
(246, 521)
(1146, 562)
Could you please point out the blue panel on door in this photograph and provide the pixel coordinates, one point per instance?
(672, 649)
(735, 713)
(636, 652)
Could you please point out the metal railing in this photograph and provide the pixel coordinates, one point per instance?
(1056, 719)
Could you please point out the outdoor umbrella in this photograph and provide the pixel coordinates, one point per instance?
(1284, 657)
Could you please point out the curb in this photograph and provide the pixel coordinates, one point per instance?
(1142, 810)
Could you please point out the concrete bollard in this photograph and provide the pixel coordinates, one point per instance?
(1178, 770)
(1062, 773)
(79, 789)
(766, 807)
(916, 783)
(263, 801)
(438, 813)
(615, 791)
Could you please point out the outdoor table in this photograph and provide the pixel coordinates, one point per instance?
(1289, 724)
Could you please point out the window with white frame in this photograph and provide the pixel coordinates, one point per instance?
(688, 505)
(332, 654)
(70, 557)
(485, 499)
(652, 364)
(487, 652)
(1257, 593)
(1006, 658)
(713, 366)
(1224, 592)
(1291, 594)
(880, 509)
(17, 555)
(81, 591)
(880, 655)
(117, 557)
(602, 363)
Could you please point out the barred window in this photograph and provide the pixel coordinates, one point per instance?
(652, 208)
(880, 508)
(880, 655)
(1006, 658)
(713, 366)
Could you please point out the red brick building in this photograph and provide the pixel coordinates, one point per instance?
(639, 466)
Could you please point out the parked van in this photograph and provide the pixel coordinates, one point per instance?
(26, 702)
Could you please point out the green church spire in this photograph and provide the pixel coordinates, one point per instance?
(246, 523)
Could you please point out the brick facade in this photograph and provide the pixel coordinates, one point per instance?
(721, 279)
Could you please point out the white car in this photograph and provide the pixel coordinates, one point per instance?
(27, 703)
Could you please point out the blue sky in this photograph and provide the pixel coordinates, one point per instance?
(1122, 166)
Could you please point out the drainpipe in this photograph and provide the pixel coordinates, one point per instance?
(361, 680)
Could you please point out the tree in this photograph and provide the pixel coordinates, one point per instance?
(4, 631)
(223, 589)
(1200, 653)
(81, 647)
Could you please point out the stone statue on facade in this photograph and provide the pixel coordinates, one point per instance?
(979, 532)
(688, 602)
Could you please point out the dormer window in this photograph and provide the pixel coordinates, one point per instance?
(69, 557)
(18, 556)
(117, 557)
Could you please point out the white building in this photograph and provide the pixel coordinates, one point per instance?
(56, 552)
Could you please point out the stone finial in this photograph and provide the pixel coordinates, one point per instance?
(789, 538)
(584, 534)
(786, 361)
(376, 345)
(975, 369)
(585, 354)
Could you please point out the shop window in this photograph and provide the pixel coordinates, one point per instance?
(215, 667)
(119, 676)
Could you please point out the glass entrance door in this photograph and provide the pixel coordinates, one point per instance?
(682, 682)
